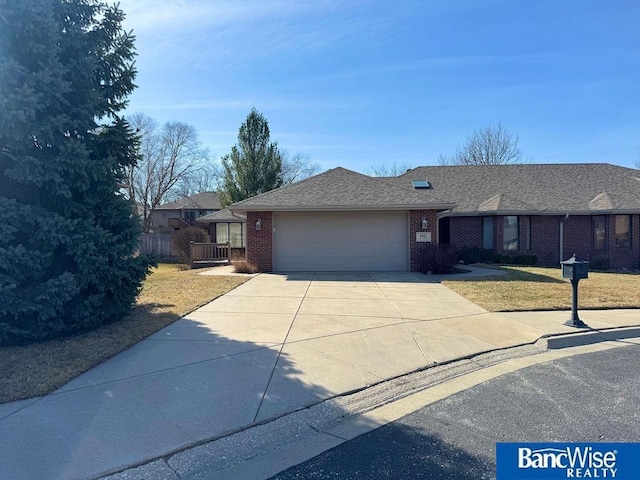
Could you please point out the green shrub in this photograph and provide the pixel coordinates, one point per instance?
(506, 259)
(528, 260)
(599, 262)
(501, 259)
(471, 255)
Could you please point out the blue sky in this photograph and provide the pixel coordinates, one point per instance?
(355, 83)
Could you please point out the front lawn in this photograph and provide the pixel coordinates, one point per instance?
(168, 294)
(536, 288)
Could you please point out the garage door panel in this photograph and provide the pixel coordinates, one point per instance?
(334, 241)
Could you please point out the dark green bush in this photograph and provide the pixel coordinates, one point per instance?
(506, 259)
(529, 260)
(502, 259)
(599, 262)
(471, 255)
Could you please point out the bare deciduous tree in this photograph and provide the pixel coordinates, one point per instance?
(204, 178)
(297, 167)
(491, 145)
(169, 157)
(387, 169)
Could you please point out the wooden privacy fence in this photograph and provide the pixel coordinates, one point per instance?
(209, 252)
(156, 243)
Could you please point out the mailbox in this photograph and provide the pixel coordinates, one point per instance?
(573, 269)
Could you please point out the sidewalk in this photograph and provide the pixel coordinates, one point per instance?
(274, 345)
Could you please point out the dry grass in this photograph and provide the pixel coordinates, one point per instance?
(168, 294)
(536, 288)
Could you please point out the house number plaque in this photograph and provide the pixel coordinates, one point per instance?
(423, 237)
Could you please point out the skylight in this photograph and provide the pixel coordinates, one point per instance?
(420, 184)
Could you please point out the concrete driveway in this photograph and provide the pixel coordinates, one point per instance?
(273, 345)
(340, 331)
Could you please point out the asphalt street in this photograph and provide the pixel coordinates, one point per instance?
(592, 397)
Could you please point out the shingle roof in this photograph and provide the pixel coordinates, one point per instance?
(342, 189)
(504, 202)
(199, 201)
(221, 216)
(468, 189)
(535, 188)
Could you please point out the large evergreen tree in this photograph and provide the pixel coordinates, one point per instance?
(254, 165)
(67, 236)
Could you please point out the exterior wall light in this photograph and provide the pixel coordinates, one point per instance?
(258, 225)
(425, 223)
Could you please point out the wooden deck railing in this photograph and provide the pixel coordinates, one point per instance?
(210, 252)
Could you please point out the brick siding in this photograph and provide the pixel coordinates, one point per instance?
(465, 232)
(545, 239)
(620, 258)
(260, 242)
(415, 225)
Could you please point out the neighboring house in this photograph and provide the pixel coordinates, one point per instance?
(183, 213)
(343, 220)
(225, 226)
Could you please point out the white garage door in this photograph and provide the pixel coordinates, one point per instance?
(340, 241)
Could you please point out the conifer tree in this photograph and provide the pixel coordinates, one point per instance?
(254, 166)
(67, 234)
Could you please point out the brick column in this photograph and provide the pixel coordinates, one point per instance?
(260, 242)
(415, 225)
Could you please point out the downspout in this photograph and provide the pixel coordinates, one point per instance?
(566, 215)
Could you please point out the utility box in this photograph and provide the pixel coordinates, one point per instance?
(573, 269)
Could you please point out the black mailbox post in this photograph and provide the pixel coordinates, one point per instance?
(575, 270)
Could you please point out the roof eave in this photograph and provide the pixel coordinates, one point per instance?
(340, 208)
(486, 213)
(221, 220)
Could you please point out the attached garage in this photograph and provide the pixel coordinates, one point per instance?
(340, 241)
(341, 220)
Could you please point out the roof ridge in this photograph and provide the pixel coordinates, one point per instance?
(284, 187)
(515, 165)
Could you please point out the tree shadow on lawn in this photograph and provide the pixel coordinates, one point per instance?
(513, 276)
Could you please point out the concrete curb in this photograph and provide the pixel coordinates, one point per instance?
(263, 450)
(591, 336)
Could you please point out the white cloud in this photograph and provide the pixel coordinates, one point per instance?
(198, 33)
(245, 104)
